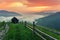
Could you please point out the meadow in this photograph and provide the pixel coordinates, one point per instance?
(19, 31)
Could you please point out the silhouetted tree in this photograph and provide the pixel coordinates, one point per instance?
(14, 20)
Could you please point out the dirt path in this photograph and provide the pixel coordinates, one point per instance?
(3, 32)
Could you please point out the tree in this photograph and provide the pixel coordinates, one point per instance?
(14, 20)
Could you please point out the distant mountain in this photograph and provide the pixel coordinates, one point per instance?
(44, 13)
(8, 13)
(52, 21)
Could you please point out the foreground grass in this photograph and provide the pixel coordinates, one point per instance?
(19, 32)
(1, 25)
(47, 32)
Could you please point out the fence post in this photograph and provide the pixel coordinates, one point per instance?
(33, 27)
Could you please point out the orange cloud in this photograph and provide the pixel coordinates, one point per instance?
(43, 2)
(38, 8)
(25, 6)
(16, 4)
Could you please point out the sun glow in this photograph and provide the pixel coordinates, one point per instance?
(16, 4)
(39, 8)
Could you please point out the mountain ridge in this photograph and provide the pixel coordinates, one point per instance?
(52, 21)
(8, 13)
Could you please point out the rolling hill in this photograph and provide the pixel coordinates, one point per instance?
(52, 21)
(8, 13)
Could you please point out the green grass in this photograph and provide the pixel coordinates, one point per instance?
(50, 33)
(1, 25)
(47, 32)
(19, 32)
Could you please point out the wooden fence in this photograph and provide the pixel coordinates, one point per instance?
(36, 31)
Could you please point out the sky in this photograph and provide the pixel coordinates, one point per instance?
(29, 6)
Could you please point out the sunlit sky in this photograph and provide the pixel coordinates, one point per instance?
(28, 6)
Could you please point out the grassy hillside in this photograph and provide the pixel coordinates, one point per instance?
(19, 32)
(41, 28)
(49, 32)
(1, 24)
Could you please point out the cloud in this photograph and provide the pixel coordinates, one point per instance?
(28, 6)
(34, 2)
(43, 2)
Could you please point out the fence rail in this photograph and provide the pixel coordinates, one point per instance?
(41, 34)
